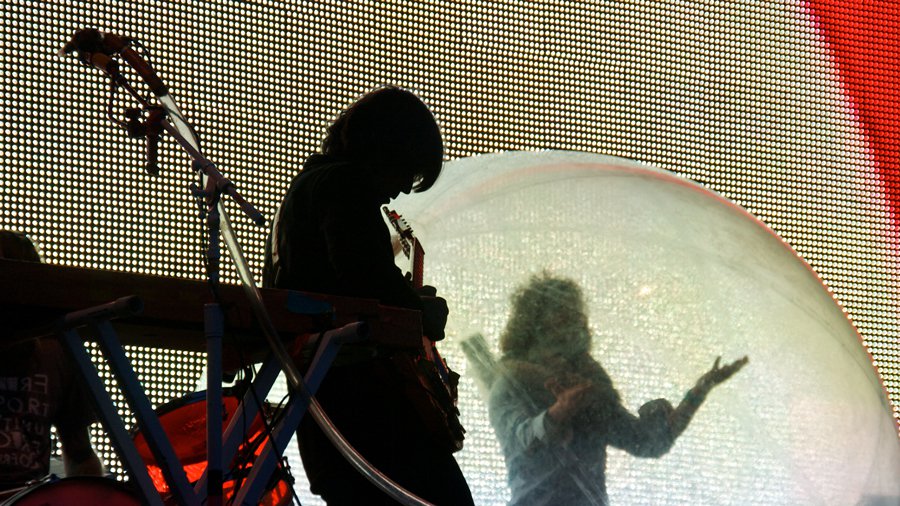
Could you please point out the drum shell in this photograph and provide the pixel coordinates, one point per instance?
(184, 422)
(76, 490)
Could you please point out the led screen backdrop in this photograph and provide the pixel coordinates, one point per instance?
(785, 108)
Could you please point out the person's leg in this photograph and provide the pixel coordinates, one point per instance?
(367, 405)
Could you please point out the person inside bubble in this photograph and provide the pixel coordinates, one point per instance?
(555, 409)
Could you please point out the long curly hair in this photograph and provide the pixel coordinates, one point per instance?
(548, 314)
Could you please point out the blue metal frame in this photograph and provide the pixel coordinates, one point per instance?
(223, 446)
(265, 463)
(114, 425)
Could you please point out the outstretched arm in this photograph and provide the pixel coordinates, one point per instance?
(685, 411)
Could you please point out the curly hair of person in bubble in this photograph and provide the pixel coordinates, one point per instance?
(542, 308)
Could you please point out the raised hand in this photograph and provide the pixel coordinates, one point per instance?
(717, 374)
(685, 411)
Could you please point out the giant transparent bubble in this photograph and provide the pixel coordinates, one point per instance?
(673, 277)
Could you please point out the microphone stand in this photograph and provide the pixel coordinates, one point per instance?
(214, 329)
(215, 185)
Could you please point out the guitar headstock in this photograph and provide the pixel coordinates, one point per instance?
(411, 246)
(404, 231)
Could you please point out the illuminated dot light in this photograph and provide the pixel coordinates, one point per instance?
(739, 97)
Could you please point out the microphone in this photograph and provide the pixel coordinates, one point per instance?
(88, 40)
(89, 45)
(154, 129)
(96, 49)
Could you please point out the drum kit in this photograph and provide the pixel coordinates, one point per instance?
(182, 420)
(75, 490)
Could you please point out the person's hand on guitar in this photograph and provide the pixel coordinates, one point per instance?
(434, 313)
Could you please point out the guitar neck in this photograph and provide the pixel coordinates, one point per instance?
(416, 264)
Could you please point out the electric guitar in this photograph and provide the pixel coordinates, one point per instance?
(440, 380)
